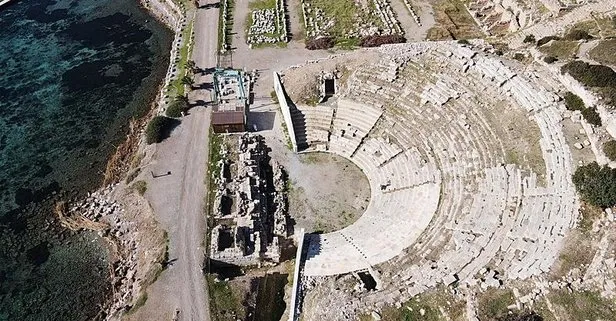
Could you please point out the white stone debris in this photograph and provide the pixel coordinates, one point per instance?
(317, 24)
(445, 205)
(250, 213)
(268, 25)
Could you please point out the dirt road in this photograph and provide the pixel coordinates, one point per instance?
(178, 198)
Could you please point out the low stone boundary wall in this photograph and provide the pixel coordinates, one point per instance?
(286, 111)
(294, 310)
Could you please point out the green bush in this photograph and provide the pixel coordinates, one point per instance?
(577, 34)
(140, 187)
(590, 75)
(176, 108)
(529, 39)
(573, 102)
(519, 56)
(609, 95)
(596, 184)
(155, 131)
(609, 148)
(591, 116)
(545, 40)
(550, 59)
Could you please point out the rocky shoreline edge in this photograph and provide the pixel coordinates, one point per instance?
(119, 214)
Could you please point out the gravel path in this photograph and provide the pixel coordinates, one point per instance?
(178, 199)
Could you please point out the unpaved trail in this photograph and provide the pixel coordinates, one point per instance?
(178, 198)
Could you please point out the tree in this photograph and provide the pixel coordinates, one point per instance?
(592, 116)
(529, 39)
(573, 101)
(547, 39)
(188, 81)
(191, 65)
(155, 131)
(609, 148)
(177, 107)
(550, 59)
(596, 184)
(183, 98)
(590, 75)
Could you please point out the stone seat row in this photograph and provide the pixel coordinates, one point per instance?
(378, 235)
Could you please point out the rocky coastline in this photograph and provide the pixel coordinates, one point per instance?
(116, 211)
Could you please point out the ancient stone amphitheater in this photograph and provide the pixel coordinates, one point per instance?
(445, 203)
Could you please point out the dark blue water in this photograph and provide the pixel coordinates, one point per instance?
(72, 75)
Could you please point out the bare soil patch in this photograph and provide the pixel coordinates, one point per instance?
(326, 192)
(521, 144)
(453, 21)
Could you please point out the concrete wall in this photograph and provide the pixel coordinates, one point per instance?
(294, 310)
(286, 111)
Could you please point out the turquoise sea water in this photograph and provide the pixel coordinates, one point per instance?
(72, 75)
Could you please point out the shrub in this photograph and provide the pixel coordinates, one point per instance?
(463, 42)
(519, 56)
(592, 116)
(132, 175)
(590, 75)
(521, 316)
(375, 41)
(529, 39)
(547, 39)
(609, 148)
(577, 34)
(596, 184)
(573, 102)
(320, 43)
(155, 131)
(176, 108)
(549, 59)
(140, 187)
(274, 96)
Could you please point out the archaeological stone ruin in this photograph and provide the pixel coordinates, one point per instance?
(250, 204)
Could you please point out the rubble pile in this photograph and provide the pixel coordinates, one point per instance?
(226, 15)
(99, 207)
(268, 25)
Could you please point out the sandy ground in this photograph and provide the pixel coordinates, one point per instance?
(328, 192)
(178, 199)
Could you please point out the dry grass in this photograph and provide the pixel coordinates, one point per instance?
(493, 303)
(577, 252)
(453, 22)
(225, 301)
(521, 145)
(607, 25)
(603, 53)
(437, 305)
(584, 305)
(589, 26)
(561, 49)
